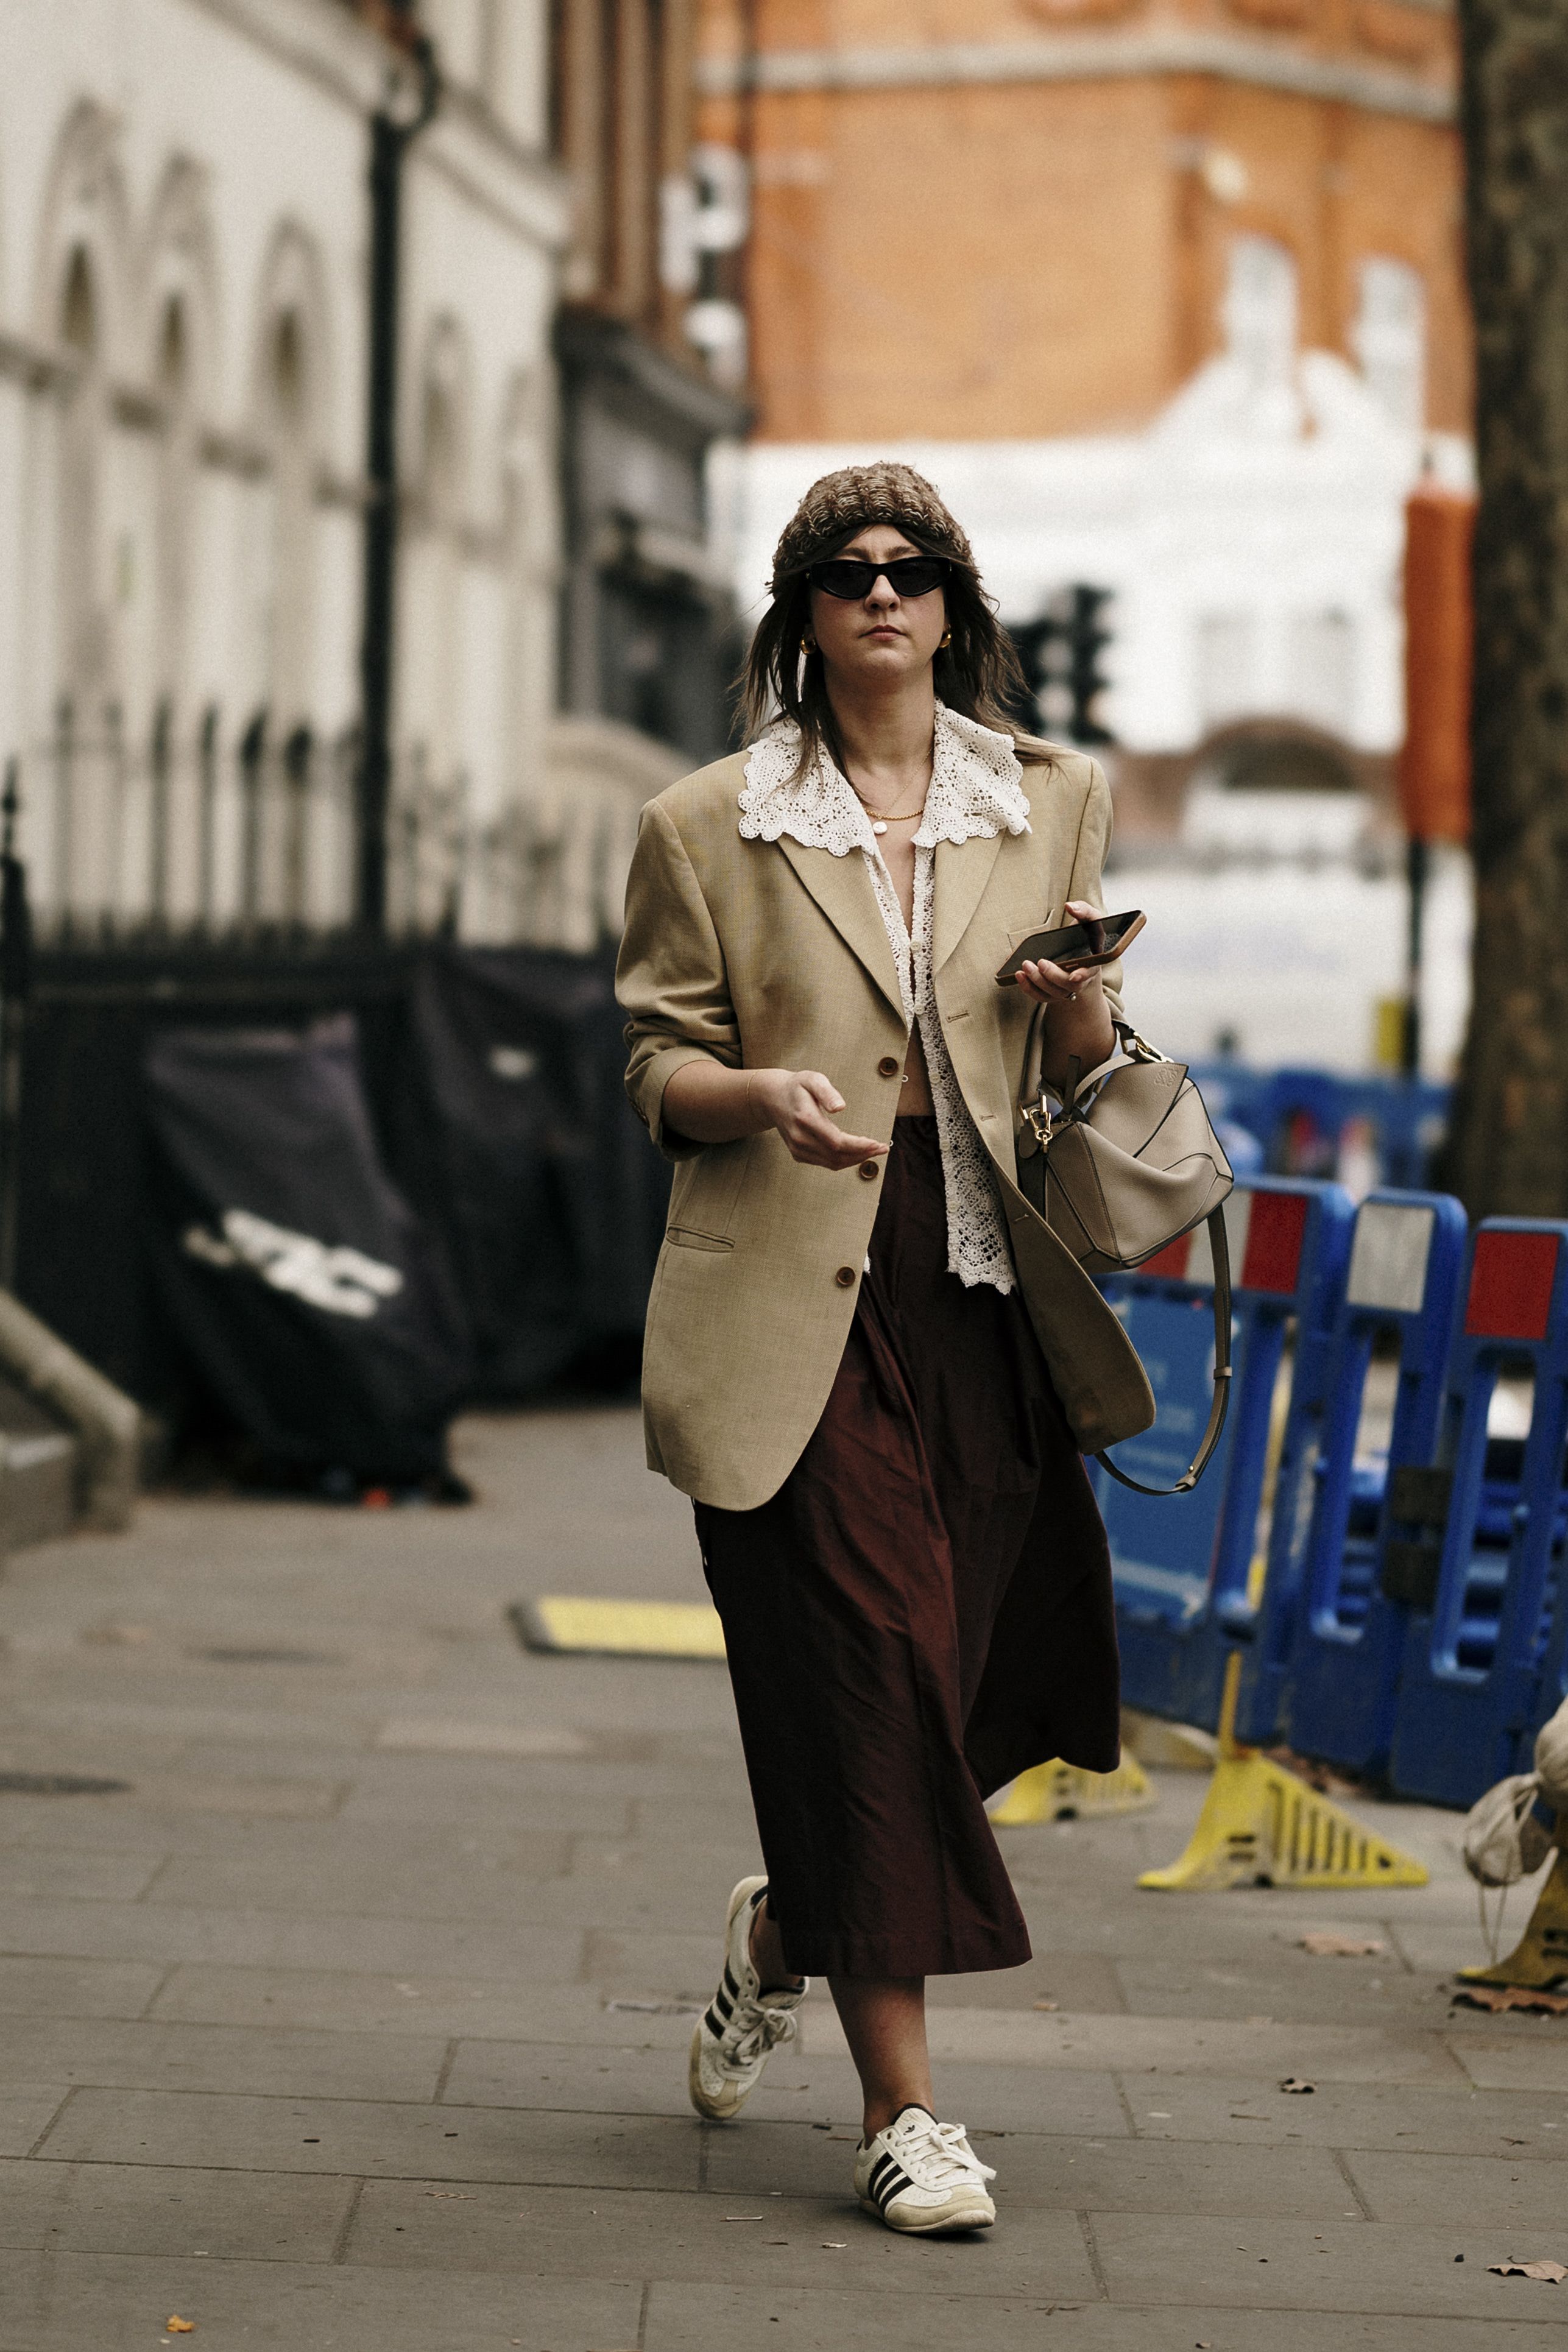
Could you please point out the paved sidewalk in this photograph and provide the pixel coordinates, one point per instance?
(395, 1934)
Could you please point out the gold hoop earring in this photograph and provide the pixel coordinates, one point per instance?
(808, 645)
(946, 641)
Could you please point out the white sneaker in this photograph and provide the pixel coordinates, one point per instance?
(923, 2177)
(741, 2027)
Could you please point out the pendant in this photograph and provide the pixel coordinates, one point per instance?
(879, 828)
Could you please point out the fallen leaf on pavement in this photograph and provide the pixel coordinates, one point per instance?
(1047, 2004)
(833, 2245)
(1329, 1947)
(459, 2196)
(1552, 2273)
(178, 2327)
(1294, 2082)
(1498, 1997)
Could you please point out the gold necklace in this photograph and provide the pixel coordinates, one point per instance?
(894, 816)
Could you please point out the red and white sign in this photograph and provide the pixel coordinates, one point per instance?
(1389, 1256)
(1511, 1280)
(1265, 1231)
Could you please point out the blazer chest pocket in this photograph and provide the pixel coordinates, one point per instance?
(706, 1191)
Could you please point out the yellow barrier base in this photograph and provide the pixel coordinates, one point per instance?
(1262, 1826)
(620, 1629)
(1065, 1792)
(1540, 1959)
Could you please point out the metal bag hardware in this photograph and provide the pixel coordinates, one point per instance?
(1125, 1166)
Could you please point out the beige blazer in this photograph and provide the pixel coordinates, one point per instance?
(766, 954)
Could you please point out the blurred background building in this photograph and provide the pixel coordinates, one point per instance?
(356, 589)
(185, 289)
(1166, 295)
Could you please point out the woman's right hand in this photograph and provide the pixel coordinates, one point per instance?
(802, 1105)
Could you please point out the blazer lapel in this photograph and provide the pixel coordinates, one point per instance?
(842, 888)
(963, 870)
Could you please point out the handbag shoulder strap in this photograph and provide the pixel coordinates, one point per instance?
(1128, 1042)
(1220, 1249)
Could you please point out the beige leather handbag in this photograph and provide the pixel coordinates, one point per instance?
(1127, 1164)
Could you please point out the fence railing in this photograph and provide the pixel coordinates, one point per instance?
(210, 830)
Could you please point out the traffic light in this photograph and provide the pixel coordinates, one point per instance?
(1061, 653)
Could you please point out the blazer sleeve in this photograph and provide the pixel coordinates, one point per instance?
(1088, 870)
(671, 977)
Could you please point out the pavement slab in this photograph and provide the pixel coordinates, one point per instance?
(379, 2140)
(26, 2110)
(42, 1874)
(420, 2004)
(148, 2208)
(144, 2055)
(1451, 2121)
(686, 2318)
(63, 2302)
(30, 1987)
(1318, 2263)
(168, 1933)
(796, 2241)
(361, 2017)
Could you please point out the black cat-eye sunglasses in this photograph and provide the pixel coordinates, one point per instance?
(852, 577)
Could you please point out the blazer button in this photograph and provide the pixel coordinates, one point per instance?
(888, 1066)
(868, 1170)
(844, 1277)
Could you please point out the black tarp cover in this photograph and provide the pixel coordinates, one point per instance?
(517, 1142)
(294, 1270)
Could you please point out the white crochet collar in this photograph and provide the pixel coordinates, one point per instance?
(975, 791)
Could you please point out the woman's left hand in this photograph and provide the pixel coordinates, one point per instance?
(1055, 983)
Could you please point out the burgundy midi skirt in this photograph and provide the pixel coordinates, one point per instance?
(922, 1611)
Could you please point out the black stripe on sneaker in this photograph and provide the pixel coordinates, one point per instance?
(729, 1984)
(891, 2183)
(715, 2024)
(883, 2164)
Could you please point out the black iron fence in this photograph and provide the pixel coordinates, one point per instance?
(208, 833)
(247, 833)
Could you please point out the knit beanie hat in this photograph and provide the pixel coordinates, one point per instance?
(840, 504)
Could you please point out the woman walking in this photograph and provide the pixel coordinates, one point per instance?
(868, 1361)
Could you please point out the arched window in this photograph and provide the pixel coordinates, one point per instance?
(1390, 339)
(430, 640)
(84, 622)
(1262, 307)
(173, 356)
(287, 414)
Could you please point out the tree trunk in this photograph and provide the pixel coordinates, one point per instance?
(1509, 1150)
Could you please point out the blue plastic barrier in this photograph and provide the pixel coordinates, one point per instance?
(1186, 1569)
(1323, 1672)
(1475, 1680)
(1316, 1122)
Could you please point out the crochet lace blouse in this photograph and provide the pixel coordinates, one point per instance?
(975, 791)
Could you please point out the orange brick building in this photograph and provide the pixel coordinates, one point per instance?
(1002, 219)
(1168, 294)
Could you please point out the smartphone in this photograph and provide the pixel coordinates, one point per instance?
(1076, 945)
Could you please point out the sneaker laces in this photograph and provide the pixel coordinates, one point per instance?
(944, 2156)
(764, 2029)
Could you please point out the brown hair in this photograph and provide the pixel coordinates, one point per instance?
(977, 674)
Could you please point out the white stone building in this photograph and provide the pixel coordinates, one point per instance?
(183, 247)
